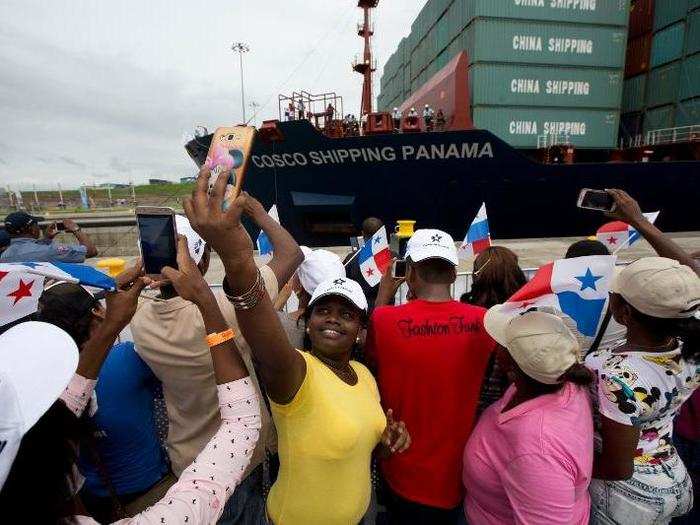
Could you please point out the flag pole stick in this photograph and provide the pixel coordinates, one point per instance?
(353, 257)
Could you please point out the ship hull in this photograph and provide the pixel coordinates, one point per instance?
(322, 186)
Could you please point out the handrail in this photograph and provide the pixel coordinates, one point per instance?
(547, 141)
(673, 135)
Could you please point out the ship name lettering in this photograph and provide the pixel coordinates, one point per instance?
(565, 128)
(523, 127)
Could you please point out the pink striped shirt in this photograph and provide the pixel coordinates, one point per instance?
(200, 494)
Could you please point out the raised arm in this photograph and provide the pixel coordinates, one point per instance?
(628, 210)
(82, 237)
(191, 286)
(282, 368)
(286, 254)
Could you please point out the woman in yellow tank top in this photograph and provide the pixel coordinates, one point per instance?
(325, 406)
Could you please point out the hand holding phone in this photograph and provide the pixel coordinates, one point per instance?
(157, 238)
(599, 200)
(398, 269)
(229, 152)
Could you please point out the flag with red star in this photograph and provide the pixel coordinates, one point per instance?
(578, 287)
(374, 257)
(19, 295)
(618, 235)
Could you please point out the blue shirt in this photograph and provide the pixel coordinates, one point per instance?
(125, 433)
(24, 249)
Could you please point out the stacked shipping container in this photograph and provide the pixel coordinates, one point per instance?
(662, 84)
(536, 67)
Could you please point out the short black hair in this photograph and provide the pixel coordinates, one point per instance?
(435, 270)
(586, 247)
(370, 226)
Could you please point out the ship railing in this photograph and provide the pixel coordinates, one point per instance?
(673, 135)
(636, 141)
(547, 141)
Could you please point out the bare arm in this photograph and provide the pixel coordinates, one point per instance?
(82, 237)
(282, 368)
(615, 461)
(628, 210)
(121, 306)
(190, 285)
(286, 255)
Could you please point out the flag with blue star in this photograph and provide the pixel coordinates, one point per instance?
(578, 287)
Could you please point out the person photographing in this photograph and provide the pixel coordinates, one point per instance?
(325, 406)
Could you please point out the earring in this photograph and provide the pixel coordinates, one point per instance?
(357, 340)
(307, 331)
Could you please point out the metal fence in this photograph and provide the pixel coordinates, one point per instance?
(673, 135)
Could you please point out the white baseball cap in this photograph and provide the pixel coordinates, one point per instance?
(195, 243)
(37, 361)
(342, 287)
(540, 343)
(319, 266)
(432, 244)
(659, 287)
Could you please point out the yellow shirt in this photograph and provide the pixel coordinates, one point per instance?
(325, 439)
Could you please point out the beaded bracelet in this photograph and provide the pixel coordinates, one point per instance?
(250, 298)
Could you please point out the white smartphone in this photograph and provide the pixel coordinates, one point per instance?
(599, 200)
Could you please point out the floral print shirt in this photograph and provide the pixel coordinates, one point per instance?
(644, 390)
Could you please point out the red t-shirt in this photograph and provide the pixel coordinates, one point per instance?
(430, 360)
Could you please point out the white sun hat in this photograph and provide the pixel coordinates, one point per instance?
(195, 243)
(341, 287)
(37, 361)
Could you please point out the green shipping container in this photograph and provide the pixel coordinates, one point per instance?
(607, 12)
(667, 45)
(633, 93)
(490, 40)
(666, 12)
(659, 118)
(523, 85)
(692, 44)
(520, 126)
(688, 113)
(664, 85)
(690, 77)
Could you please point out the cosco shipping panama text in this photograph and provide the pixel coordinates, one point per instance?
(465, 150)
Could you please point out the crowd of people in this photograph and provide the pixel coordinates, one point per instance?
(169, 401)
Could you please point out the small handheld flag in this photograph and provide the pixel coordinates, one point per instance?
(263, 241)
(374, 257)
(478, 236)
(617, 235)
(578, 287)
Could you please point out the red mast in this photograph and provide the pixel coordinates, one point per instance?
(366, 67)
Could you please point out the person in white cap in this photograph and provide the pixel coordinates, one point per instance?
(529, 459)
(318, 266)
(640, 388)
(430, 356)
(169, 335)
(36, 489)
(325, 405)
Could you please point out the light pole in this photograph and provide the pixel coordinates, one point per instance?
(240, 48)
(254, 105)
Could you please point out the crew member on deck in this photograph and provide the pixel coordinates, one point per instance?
(428, 117)
(396, 116)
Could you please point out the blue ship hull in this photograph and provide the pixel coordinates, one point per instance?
(321, 184)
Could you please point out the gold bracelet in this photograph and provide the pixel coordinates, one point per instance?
(250, 298)
(217, 338)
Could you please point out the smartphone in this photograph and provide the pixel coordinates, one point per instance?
(599, 200)
(230, 150)
(398, 270)
(157, 238)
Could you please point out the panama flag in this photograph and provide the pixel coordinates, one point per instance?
(19, 294)
(478, 237)
(617, 235)
(374, 257)
(69, 272)
(263, 242)
(578, 287)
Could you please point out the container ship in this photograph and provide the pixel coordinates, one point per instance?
(531, 101)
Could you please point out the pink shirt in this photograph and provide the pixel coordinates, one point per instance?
(533, 463)
(204, 487)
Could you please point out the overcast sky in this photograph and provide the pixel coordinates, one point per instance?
(105, 91)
